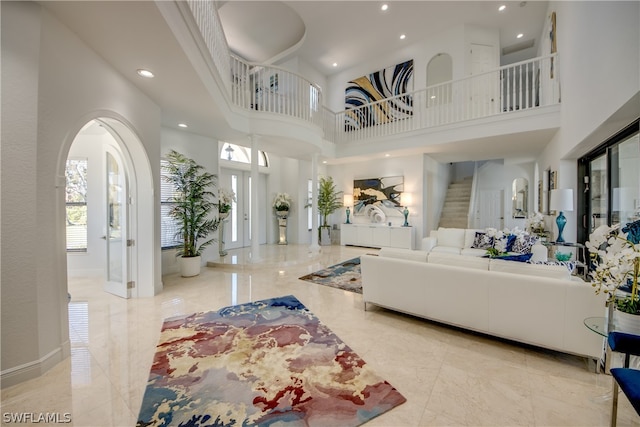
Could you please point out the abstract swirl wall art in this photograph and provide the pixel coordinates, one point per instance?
(264, 363)
(390, 87)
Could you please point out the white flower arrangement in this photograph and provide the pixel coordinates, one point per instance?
(226, 197)
(535, 222)
(615, 253)
(282, 202)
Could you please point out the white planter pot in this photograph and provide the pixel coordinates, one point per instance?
(190, 266)
(625, 322)
(325, 236)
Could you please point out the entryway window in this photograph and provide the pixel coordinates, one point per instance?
(76, 204)
(238, 153)
(168, 225)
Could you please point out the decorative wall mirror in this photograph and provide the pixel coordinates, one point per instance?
(520, 197)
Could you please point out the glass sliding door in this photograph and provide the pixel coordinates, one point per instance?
(625, 181)
(611, 176)
(598, 194)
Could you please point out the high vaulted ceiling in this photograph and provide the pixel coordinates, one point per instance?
(133, 34)
(349, 32)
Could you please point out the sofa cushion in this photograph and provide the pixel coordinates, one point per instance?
(539, 270)
(523, 243)
(473, 252)
(482, 240)
(407, 254)
(452, 237)
(447, 249)
(470, 237)
(458, 261)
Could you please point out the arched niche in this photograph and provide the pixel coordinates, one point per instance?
(439, 76)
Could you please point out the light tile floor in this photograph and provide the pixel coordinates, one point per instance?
(449, 377)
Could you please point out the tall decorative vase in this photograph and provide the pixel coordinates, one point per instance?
(282, 226)
(561, 221)
(223, 218)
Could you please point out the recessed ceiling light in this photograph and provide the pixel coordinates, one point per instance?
(384, 7)
(503, 7)
(520, 35)
(335, 64)
(433, 97)
(324, 162)
(145, 73)
(402, 36)
(387, 155)
(182, 125)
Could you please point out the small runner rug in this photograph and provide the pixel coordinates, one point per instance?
(346, 276)
(268, 363)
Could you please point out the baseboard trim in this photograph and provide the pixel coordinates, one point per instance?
(34, 369)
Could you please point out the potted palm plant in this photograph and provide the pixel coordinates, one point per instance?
(329, 200)
(192, 205)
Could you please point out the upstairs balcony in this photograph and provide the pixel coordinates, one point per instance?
(526, 86)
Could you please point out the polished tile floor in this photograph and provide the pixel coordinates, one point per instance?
(449, 377)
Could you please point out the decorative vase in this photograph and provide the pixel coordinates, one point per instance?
(223, 216)
(190, 266)
(625, 322)
(282, 226)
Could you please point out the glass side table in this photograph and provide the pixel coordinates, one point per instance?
(581, 252)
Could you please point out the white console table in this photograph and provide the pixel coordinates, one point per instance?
(377, 236)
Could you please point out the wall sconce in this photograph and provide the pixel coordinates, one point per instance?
(406, 200)
(348, 202)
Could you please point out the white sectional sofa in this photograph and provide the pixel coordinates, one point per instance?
(534, 304)
(457, 241)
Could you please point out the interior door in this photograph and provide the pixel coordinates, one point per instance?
(484, 90)
(490, 209)
(116, 226)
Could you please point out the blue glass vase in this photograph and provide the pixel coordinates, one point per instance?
(561, 221)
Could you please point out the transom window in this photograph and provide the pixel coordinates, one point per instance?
(238, 153)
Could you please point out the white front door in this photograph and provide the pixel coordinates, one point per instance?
(237, 228)
(116, 226)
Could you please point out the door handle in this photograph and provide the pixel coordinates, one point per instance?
(104, 237)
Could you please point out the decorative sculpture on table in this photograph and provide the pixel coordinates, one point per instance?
(226, 197)
(282, 204)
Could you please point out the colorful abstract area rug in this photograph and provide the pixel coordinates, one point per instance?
(266, 363)
(346, 276)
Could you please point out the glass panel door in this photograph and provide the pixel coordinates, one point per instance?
(625, 181)
(598, 194)
(116, 227)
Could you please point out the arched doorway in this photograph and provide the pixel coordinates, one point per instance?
(120, 213)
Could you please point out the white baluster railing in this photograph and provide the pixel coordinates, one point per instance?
(521, 86)
(275, 90)
(264, 88)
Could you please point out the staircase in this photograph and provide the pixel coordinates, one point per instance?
(455, 212)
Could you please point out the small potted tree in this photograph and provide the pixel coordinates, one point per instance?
(192, 206)
(329, 200)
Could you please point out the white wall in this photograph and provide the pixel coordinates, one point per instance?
(52, 85)
(599, 68)
(411, 168)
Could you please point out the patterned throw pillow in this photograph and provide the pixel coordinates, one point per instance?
(523, 244)
(482, 241)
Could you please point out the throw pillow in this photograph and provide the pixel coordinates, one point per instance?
(523, 243)
(571, 265)
(482, 241)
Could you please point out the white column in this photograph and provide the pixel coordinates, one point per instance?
(315, 247)
(255, 216)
